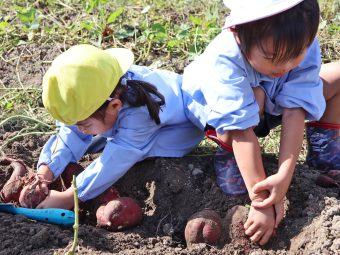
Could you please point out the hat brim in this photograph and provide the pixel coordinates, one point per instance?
(124, 57)
(243, 15)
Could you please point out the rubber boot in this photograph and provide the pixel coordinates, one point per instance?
(228, 175)
(323, 145)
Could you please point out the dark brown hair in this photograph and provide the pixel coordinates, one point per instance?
(136, 93)
(292, 31)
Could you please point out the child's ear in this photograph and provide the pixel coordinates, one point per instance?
(233, 30)
(114, 106)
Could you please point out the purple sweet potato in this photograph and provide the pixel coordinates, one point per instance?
(203, 227)
(118, 214)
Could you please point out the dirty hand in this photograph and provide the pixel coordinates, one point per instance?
(56, 199)
(33, 193)
(277, 186)
(260, 224)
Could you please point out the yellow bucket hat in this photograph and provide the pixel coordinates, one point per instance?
(81, 79)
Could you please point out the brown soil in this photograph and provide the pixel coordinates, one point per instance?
(169, 191)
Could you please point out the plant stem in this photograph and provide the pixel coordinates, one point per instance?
(26, 134)
(23, 117)
(76, 218)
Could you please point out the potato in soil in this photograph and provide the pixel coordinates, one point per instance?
(203, 227)
(118, 214)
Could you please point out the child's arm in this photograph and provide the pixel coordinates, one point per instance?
(56, 199)
(260, 224)
(69, 145)
(248, 157)
(261, 221)
(290, 146)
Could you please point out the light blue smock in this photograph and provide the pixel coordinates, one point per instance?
(134, 137)
(217, 87)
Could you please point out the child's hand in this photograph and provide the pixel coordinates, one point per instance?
(260, 224)
(56, 199)
(277, 186)
(279, 212)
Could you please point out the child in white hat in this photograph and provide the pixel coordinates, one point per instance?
(263, 70)
(137, 110)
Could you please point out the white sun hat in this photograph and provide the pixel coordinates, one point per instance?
(243, 11)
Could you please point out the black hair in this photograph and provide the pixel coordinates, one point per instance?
(137, 93)
(292, 31)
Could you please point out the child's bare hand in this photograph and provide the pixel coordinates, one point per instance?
(277, 186)
(260, 224)
(57, 199)
(279, 212)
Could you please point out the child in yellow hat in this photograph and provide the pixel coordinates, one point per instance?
(263, 70)
(137, 110)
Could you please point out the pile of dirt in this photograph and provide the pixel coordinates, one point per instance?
(170, 191)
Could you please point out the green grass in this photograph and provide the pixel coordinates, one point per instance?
(163, 34)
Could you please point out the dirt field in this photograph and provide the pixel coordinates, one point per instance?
(169, 191)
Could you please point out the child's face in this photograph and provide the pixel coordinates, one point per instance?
(94, 126)
(261, 61)
(99, 125)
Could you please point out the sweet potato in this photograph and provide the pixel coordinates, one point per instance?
(118, 214)
(334, 174)
(31, 196)
(12, 188)
(326, 181)
(64, 181)
(203, 227)
(234, 228)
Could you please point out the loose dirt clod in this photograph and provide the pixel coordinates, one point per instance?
(233, 224)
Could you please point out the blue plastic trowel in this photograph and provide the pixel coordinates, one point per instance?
(50, 215)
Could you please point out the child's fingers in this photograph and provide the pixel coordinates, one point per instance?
(260, 186)
(265, 203)
(257, 236)
(251, 229)
(279, 211)
(41, 205)
(44, 188)
(248, 224)
(266, 236)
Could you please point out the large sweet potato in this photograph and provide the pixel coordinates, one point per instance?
(203, 227)
(118, 214)
(12, 188)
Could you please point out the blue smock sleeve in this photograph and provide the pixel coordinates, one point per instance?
(303, 87)
(69, 145)
(230, 96)
(220, 74)
(115, 160)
